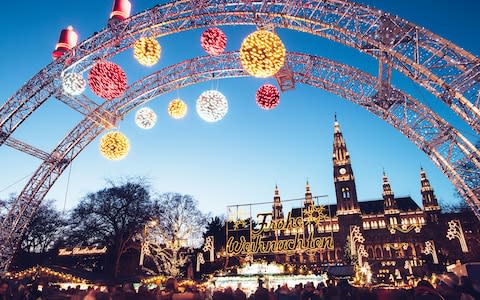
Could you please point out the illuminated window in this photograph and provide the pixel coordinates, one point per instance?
(345, 193)
(381, 223)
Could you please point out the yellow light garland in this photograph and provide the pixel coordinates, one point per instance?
(177, 109)
(114, 145)
(262, 53)
(147, 51)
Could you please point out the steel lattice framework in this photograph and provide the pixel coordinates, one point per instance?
(447, 71)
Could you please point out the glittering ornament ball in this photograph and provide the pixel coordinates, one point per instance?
(268, 96)
(107, 80)
(177, 109)
(213, 41)
(145, 118)
(114, 145)
(262, 53)
(212, 106)
(147, 51)
(73, 84)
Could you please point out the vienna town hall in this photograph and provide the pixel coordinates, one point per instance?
(393, 236)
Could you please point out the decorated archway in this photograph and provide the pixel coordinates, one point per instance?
(447, 71)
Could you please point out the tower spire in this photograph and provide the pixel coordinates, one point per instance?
(346, 190)
(429, 200)
(277, 205)
(389, 203)
(308, 195)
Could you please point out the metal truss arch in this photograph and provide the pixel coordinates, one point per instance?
(446, 70)
(447, 148)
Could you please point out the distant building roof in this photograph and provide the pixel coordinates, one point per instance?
(405, 204)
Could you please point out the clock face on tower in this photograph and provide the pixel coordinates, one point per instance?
(342, 171)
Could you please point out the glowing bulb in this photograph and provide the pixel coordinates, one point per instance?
(212, 106)
(213, 41)
(73, 84)
(145, 118)
(107, 80)
(177, 109)
(268, 96)
(114, 145)
(147, 51)
(262, 53)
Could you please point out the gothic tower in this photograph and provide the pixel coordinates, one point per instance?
(344, 180)
(277, 205)
(389, 203)
(308, 196)
(429, 201)
(348, 210)
(392, 213)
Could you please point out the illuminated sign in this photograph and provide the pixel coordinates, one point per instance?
(81, 251)
(277, 236)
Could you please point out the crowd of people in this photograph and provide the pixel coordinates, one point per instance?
(447, 288)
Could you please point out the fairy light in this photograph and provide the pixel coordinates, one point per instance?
(107, 80)
(114, 145)
(212, 106)
(147, 51)
(177, 109)
(145, 118)
(262, 53)
(73, 84)
(268, 96)
(213, 41)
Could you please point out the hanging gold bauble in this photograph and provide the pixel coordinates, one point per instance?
(114, 145)
(177, 109)
(262, 53)
(147, 51)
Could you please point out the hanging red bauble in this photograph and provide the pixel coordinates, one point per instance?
(107, 80)
(268, 96)
(213, 41)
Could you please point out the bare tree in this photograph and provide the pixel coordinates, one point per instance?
(111, 217)
(179, 229)
(44, 229)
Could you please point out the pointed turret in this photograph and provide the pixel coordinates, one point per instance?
(308, 196)
(389, 204)
(345, 188)
(277, 205)
(429, 200)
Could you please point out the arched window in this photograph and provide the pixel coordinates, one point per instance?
(345, 193)
(370, 252)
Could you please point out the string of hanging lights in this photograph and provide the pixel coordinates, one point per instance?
(262, 53)
(107, 80)
(114, 145)
(147, 51)
(268, 96)
(145, 118)
(213, 41)
(212, 106)
(177, 109)
(73, 84)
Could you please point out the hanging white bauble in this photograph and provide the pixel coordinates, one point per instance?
(145, 118)
(212, 106)
(73, 84)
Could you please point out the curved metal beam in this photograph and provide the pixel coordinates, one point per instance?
(443, 144)
(446, 70)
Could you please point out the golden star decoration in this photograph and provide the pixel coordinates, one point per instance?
(314, 214)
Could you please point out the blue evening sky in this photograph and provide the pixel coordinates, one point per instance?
(241, 158)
